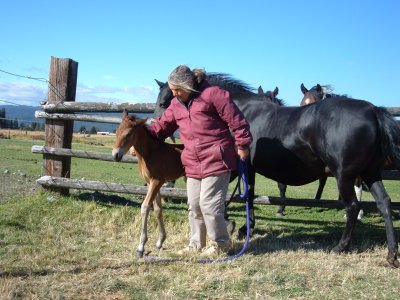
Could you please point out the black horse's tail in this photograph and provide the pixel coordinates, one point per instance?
(390, 135)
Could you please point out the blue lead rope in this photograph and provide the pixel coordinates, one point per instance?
(242, 181)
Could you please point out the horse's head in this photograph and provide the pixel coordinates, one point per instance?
(125, 134)
(164, 98)
(270, 96)
(316, 93)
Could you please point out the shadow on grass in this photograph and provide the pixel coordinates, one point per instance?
(109, 200)
(298, 232)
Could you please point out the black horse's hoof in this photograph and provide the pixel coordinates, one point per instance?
(230, 226)
(339, 249)
(139, 253)
(392, 260)
(242, 233)
(280, 214)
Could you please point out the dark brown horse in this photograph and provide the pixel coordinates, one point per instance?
(271, 96)
(315, 94)
(158, 162)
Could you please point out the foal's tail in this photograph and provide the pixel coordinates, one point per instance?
(390, 135)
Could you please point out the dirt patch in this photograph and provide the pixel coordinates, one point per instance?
(15, 185)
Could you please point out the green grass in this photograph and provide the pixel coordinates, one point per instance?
(83, 246)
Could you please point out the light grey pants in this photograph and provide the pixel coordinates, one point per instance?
(206, 201)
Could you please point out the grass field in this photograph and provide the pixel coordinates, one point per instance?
(83, 246)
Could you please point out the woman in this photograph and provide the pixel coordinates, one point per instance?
(205, 117)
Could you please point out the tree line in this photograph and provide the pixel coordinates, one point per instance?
(6, 123)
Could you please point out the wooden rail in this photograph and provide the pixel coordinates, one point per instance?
(386, 174)
(59, 182)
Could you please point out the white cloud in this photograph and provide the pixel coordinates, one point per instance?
(22, 93)
(86, 93)
(25, 93)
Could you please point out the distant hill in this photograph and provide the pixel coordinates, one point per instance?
(26, 114)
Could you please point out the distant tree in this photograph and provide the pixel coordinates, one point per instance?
(3, 120)
(82, 129)
(93, 130)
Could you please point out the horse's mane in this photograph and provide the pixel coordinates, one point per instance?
(327, 90)
(227, 82)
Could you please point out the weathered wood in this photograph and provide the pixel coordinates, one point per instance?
(50, 181)
(181, 194)
(86, 118)
(386, 174)
(62, 87)
(395, 111)
(98, 107)
(80, 153)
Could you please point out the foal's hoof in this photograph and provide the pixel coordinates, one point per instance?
(139, 253)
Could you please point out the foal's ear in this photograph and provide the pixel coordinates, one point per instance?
(124, 113)
(140, 122)
(303, 88)
(260, 90)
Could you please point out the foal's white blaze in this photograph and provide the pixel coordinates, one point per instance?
(307, 101)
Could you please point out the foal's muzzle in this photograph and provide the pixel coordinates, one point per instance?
(117, 154)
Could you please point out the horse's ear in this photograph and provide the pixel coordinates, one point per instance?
(276, 91)
(319, 88)
(124, 113)
(160, 84)
(303, 88)
(260, 90)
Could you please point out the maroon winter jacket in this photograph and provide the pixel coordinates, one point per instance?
(204, 128)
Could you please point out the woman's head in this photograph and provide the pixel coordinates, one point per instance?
(183, 81)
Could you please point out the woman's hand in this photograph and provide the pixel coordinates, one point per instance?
(243, 153)
(132, 151)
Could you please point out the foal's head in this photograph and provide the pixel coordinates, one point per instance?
(315, 94)
(125, 134)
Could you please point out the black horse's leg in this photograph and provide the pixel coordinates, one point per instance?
(352, 207)
(322, 182)
(251, 182)
(282, 192)
(383, 201)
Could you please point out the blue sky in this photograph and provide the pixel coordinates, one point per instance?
(122, 46)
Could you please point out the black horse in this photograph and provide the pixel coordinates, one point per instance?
(271, 96)
(298, 145)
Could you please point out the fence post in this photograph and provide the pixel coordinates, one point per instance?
(58, 133)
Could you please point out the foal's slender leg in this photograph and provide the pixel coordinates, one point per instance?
(145, 209)
(352, 207)
(160, 221)
(383, 201)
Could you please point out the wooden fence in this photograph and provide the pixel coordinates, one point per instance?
(59, 113)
